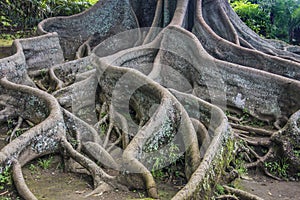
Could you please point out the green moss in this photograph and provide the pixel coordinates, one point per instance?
(5, 42)
(214, 175)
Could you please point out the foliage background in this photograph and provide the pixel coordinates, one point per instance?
(24, 15)
(279, 19)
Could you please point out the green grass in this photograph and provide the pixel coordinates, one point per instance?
(93, 1)
(278, 168)
(45, 163)
(5, 42)
(5, 178)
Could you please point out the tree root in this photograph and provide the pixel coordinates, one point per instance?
(99, 153)
(227, 197)
(20, 182)
(103, 187)
(241, 194)
(258, 131)
(260, 160)
(97, 173)
(202, 48)
(13, 133)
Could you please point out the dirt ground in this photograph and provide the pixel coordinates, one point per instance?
(54, 184)
(270, 189)
(5, 48)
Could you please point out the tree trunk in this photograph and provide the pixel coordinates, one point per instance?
(127, 83)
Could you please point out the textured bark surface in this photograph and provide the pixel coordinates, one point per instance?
(117, 87)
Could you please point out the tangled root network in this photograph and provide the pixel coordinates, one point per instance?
(127, 82)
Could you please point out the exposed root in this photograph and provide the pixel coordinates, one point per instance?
(117, 141)
(97, 173)
(134, 147)
(271, 175)
(258, 131)
(7, 113)
(260, 160)
(280, 122)
(83, 131)
(203, 136)
(202, 48)
(227, 197)
(99, 153)
(102, 188)
(136, 166)
(19, 182)
(255, 141)
(13, 133)
(235, 119)
(241, 194)
(108, 133)
(40, 85)
(125, 130)
(3, 193)
(102, 120)
(56, 82)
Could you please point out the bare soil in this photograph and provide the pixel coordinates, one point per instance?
(270, 189)
(55, 184)
(5, 52)
(5, 48)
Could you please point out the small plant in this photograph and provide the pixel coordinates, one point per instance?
(103, 114)
(5, 178)
(74, 142)
(157, 171)
(32, 168)
(297, 152)
(45, 163)
(19, 132)
(227, 113)
(264, 150)
(165, 163)
(257, 123)
(5, 198)
(158, 174)
(240, 166)
(238, 161)
(174, 150)
(103, 128)
(245, 115)
(278, 168)
(10, 123)
(44, 73)
(219, 189)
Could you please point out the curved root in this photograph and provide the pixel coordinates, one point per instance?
(241, 194)
(20, 182)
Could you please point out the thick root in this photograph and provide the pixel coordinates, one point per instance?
(20, 182)
(131, 95)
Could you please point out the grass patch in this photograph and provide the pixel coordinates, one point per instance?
(93, 1)
(5, 42)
